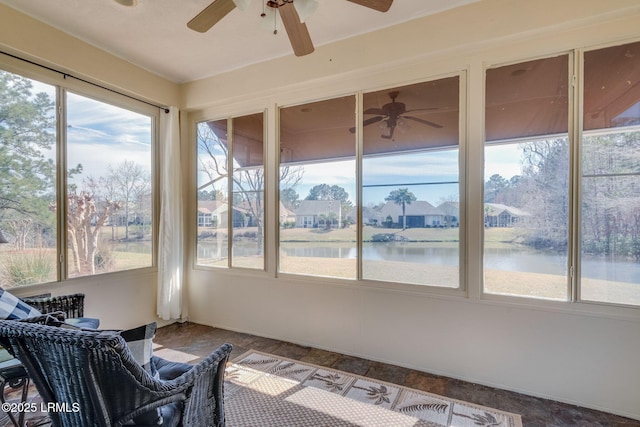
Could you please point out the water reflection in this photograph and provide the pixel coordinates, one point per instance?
(506, 259)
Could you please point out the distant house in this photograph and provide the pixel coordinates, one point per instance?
(451, 212)
(497, 215)
(286, 215)
(214, 213)
(205, 212)
(316, 213)
(419, 214)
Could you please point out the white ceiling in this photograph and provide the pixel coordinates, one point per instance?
(154, 34)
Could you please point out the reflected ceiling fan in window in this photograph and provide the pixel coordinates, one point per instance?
(392, 115)
(292, 12)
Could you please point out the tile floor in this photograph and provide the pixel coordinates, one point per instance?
(191, 342)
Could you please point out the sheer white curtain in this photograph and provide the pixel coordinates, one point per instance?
(170, 241)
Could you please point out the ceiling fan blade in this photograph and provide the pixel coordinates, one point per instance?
(211, 15)
(377, 111)
(379, 5)
(296, 30)
(368, 122)
(422, 109)
(424, 122)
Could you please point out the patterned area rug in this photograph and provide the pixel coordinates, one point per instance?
(266, 390)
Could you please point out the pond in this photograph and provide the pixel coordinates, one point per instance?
(515, 259)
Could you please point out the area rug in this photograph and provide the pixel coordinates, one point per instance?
(266, 390)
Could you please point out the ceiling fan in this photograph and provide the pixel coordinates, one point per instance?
(296, 30)
(391, 113)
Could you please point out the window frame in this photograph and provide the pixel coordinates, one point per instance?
(573, 302)
(579, 81)
(570, 135)
(63, 85)
(195, 121)
(463, 137)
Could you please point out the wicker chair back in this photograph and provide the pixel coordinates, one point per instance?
(89, 378)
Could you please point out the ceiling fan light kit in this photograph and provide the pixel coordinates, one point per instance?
(305, 8)
(129, 3)
(242, 4)
(294, 14)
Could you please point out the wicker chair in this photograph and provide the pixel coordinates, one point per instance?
(94, 376)
(71, 305)
(68, 308)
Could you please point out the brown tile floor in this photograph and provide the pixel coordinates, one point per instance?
(190, 342)
(198, 341)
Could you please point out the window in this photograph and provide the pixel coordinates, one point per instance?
(528, 177)
(410, 187)
(109, 188)
(238, 219)
(526, 189)
(610, 176)
(317, 189)
(411, 190)
(27, 181)
(108, 176)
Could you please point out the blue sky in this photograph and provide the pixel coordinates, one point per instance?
(100, 135)
(431, 175)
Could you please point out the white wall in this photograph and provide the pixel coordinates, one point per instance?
(578, 353)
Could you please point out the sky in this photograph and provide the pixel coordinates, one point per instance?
(432, 176)
(100, 135)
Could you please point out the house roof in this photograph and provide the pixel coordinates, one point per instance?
(208, 206)
(495, 209)
(316, 207)
(419, 208)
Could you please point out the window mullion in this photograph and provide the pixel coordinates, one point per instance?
(61, 181)
(575, 137)
(359, 223)
(230, 176)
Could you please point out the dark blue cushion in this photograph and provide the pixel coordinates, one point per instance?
(83, 322)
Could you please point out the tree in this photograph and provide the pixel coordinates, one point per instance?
(403, 197)
(610, 197)
(331, 192)
(130, 183)
(544, 187)
(27, 170)
(248, 182)
(84, 221)
(493, 187)
(290, 198)
(327, 192)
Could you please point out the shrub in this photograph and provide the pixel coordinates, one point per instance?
(29, 267)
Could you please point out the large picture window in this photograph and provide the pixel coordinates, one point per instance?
(317, 189)
(411, 190)
(610, 176)
(107, 198)
(526, 189)
(109, 188)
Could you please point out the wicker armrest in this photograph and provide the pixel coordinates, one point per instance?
(205, 381)
(71, 305)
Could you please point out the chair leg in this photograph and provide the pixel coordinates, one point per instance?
(15, 384)
(25, 394)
